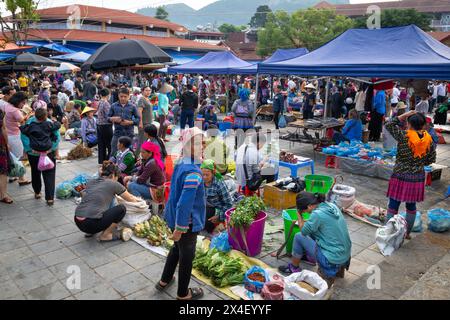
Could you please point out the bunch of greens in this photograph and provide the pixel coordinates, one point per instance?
(246, 211)
(220, 267)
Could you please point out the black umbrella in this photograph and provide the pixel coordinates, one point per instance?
(125, 53)
(30, 59)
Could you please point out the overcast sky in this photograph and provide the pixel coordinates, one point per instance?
(133, 6)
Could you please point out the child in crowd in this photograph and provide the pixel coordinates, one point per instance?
(41, 133)
(151, 135)
(124, 157)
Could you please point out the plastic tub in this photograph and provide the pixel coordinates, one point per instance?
(290, 217)
(318, 183)
(254, 234)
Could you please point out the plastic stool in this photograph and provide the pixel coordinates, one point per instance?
(331, 162)
(448, 192)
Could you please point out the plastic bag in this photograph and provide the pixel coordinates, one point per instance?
(417, 222)
(64, 190)
(311, 278)
(220, 242)
(254, 285)
(391, 236)
(45, 163)
(16, 169)
(79, 183)
(282, 122)
(438, 220)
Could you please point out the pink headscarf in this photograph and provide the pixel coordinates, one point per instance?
(154, 148)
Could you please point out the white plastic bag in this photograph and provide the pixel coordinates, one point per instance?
(137, 212)
(343, 196)
(390, 237)
(312, 279)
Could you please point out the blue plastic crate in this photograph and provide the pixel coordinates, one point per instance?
(224, 126)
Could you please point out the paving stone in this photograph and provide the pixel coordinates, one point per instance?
(356, 249)
(97, 259)
(141, 259)
(72, 239)
(7, 234)
(153, 272)
(130, 283)
(35, 237)
(149, 293)
(26, 266)
(124, 249)
(358, 267)
(46, 246)
(11, 257)
(11, 244)
(101, 292)
(114, 270)
(8, 289)
(52, 291)
(34, 280)
(87, 247)
(64, 229)
(58, 256)
(56, 222)
(370, 257)
(362, 239)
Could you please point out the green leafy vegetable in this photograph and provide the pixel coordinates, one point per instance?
(220, 267)
(246, 211)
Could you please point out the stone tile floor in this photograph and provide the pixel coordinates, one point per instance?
(39, 245)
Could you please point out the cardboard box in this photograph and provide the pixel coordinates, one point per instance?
(277, 198)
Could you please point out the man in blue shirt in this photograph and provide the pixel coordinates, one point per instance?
(124, 115)
(377, 115)
(278, 105)
(185, 214)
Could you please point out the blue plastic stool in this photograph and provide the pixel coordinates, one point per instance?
(448, 192)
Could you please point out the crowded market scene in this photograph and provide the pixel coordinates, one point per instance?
(296, 177)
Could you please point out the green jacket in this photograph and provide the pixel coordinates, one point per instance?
(327, 226)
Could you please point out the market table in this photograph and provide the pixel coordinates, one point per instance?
(319, 131)
(294, 167)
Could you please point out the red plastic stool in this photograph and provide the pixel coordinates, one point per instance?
(331, 162)
(428, 179)
(247, 192)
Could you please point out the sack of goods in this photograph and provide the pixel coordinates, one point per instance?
(343, 196)
(390, 237)
(137, 212)
(306, 285)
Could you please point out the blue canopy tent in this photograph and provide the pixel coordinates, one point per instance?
(78, 57)
(51, 46)
(286, 54)
(399, 52)
(6, 56)
(223, 62)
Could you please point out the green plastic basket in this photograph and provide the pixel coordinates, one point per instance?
(290, 217)
(318, 184)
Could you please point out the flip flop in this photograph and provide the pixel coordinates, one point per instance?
(13, 180)
(7, 200)
(115, 237)
(24, 183)
(37, 196)
(161, 288)
(196, 293)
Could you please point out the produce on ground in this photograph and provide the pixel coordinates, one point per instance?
(156, 231)
(307, 286)
(79, 152)
(223, 270)
(246, 211)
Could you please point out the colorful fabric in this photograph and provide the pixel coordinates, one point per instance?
(186, 205)
(210, 165)
(406, 187)
(125, 160)
(155, 150)
(218, 197)
(406, 162)
(419, 146)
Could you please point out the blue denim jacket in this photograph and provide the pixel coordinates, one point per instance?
(128, 112)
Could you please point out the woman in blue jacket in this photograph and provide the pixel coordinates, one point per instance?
(352, 129)
(185, 214)
(324, 238)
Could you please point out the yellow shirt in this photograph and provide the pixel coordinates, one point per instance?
(23, 82)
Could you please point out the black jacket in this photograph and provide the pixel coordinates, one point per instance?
(41, 134)
(189, 101)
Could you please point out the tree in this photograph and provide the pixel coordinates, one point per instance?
(260, 17)
(400, 17)
(20, 15)
(162, 14)
(227, 28)
(309, 28)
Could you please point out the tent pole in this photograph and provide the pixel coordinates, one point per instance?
(227, 86)
(325, 107)
(257, 89)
